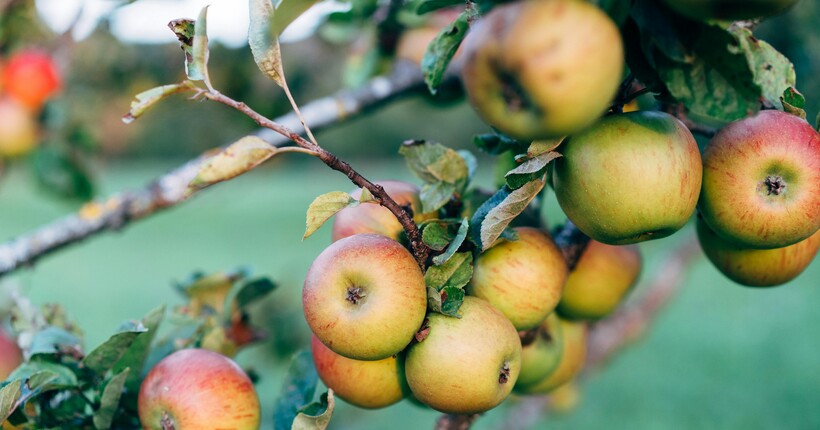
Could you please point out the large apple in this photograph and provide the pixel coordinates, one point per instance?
(522, 278)
(571, 362)
(729, 9)
(31, 77)
(367, 384)
(376, 219)
(465, 365)
(629, 178)
(18, 129)
(542, 68)
(365, 297)
(761, 181)
(757, 267)
(194, 389)
(600, 281)
(541, 356)
(10, 355)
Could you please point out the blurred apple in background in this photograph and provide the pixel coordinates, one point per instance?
(31, 77)
(18, 129)
(10, 355)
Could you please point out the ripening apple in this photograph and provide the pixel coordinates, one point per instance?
(376, 219)
(600, 281)
(729, 9)
(194, 389)
(761, 181)
(540, 357)
(365, 297)
(757, 267)
(571, 362)
(538, 69)
(366, 384)
(10, 355)
(18, 129)
(522, 278)
(630, 177)
(31, 77)
(465, 365)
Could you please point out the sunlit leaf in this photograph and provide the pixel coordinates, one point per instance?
(240, 157)
(147, 99)
(324, 207)
(264, 41)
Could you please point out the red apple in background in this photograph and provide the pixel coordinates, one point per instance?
(195, 389)
(629, 178)
(761, 181)
(600, 281)
(18, 129)
(365, 297)
(10, 355)
(757, 267)
(465, 365)
(374, 218)
(31, 77)
(366, 384)
(521, 278)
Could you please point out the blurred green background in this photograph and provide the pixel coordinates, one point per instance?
(720, 356)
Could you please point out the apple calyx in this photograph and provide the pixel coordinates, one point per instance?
(513, 93)
(774, 185)
(504, 376)
(167, 422)
(355, 295)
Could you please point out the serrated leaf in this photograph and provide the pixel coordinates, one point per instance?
(9, 395)
(137, 354)
(104, 357)
(240, 157)
(147, 99)
(317, 415)
(454, 244)
(793, 102)
(264, 41)
(325, 207)
(436, 236)
(431, 5)
(297, 390)
(442, 49)
(492, 218)
(455, 272)
(529, 170)
(52, 340)
(110, 400)
(433, 162)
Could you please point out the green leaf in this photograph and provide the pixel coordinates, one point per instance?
(455, 272)
(287, 11)
(54, 374)
(436, 236)
(193, 36)
(325, 207)
(264, 41)
(105, 356)
(434, 196)
(147, 99)
(297, 390)
(60, 171)
(442, 49)
(471, 161)
(793, 102)
(451, 300)
(110, 400)
(493, 217)
(431, 5)
(498, 143)
(136, 355)
(241, 156)
(530, 170)
(252, 291)
(53, 340)
(771, 71)
(9, 395)
(443, 170)
(455, 243)
(316, 416)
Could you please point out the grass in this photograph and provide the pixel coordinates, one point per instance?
(720, 356)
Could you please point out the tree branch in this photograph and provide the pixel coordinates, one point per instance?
(169, 190)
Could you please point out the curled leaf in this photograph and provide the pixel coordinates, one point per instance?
(147, 99)
(324, 207)
(264, 41)
(238, 158)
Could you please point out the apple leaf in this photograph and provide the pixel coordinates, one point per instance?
(251, 291)
(316, 416)
(297, 390)
(59, 171)
(136, 355)
(9, 395)
(443, 170)
(455, 243)
(324, 207)
(498, 143)
(455, 272)
(193, 36)
(543, 146)
(52, 340)
(105, 356)
(442, 49)
(110, 400)
(492, 218)
(793, 102)
(264, 41)
(431, 5)
(240, 157)
(530, 170)
(58, 375)
(147, 99)
(436, 235)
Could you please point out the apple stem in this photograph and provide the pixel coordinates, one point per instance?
(775, 184)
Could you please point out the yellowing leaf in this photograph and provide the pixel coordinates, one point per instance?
(240, 157)
(146, 99)
(499, 217)
(324, 207)
(324, 410)
(264, 41)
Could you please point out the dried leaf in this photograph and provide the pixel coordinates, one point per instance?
(147, 99)
(240, 157)
(264, 41)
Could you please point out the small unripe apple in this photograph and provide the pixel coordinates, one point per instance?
(521, 278)
(761, 181)
(465, 365)
(18, 129)
(365, 297)
(572, 359)
(729, 9)
(757, 267)
(540, 357)
(600, 281)
(366, 384)
(542, 68)
(629, 178)
(31, 77)
(374, 218)
(194, 389)
(10, 355)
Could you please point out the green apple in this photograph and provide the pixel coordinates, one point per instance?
(729, 9)
(465, 365)
(376, 219)
(600, 281)
(540, 357)
(523, 278)
(366, 384)
(10, 355)
(365, 297)
(629, 178)
(539, 69)
(195, 389)
(18, 129)
(571, 362)
(761, 181)
(757, 267)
